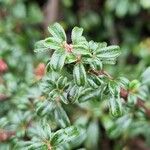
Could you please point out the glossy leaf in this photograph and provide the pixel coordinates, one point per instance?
(134, 85)
(76, 35)
(61, 117)
(57, 61)
(61, 82)
(79, 74)
(65, 135)
(57, 31)
(88, 94)
(52, 43)
(73, 93)
(110, 51)
(115, 107)
(146, 76)
(81, 50)
(40, 46)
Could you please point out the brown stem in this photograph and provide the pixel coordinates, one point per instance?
(124, 93)
(101, 72)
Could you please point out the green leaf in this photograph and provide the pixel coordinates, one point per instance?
(115, 106)
(45, 107)
(71, 58)
(97, 46)
(146, 76)
(47, 85)
(3, 122)
(94, 81)
(88, 94)
(96, 64)
(93, 46)
(30, 145)
(61, 82)
(108, 52)
(57, 31)
(76, 35)
(53, 94)
(102, 45)
(73, 93)
(132, 99)
(79, 74)
(40, 46)
(81, 50)
(134, 85)
(52, 43)
(63, 136)
(61, 117)
(92, 135)
(107, 55)
(41, 131)
(123, 82)
(57, 60)
(120, 126)
(63, 97)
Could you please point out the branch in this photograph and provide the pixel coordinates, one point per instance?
(124, 93)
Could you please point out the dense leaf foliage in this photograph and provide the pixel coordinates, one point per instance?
(72, 92)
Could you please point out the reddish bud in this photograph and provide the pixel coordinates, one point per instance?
(40, 71)
(5, 135)
(68, 47)
(3, 66)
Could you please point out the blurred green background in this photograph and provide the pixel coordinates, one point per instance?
(122, 22)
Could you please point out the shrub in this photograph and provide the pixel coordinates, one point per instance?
(76, 78)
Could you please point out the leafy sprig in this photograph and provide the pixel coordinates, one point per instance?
(75, 74)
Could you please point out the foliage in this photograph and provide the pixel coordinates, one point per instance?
(62, 97)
